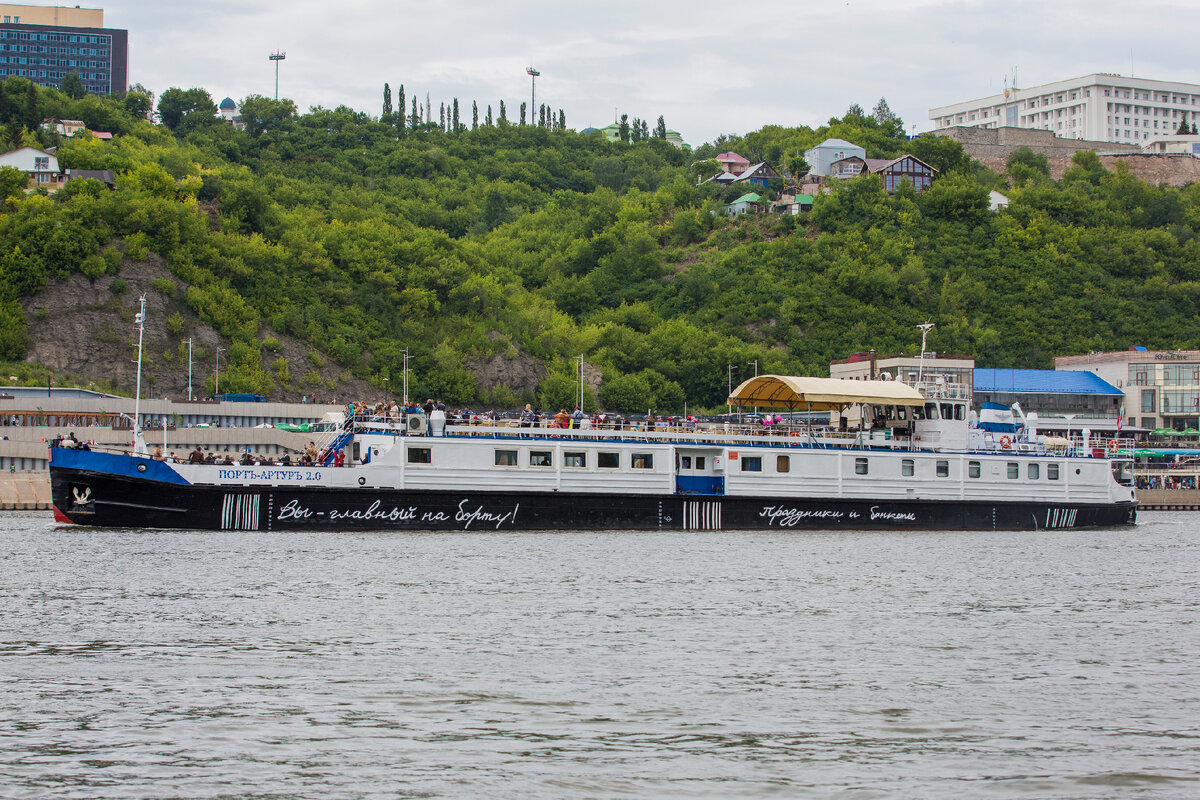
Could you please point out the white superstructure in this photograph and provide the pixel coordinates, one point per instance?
(1100, 107)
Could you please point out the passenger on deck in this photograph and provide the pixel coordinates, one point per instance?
(196, 456)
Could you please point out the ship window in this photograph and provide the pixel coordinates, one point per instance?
(860, 466)
(1014, 470)
(1052, 472)
(931, 411)
(608, 460)
(1035, 471)
(906, 467)
(947, 411)
(973, 469)
(540, 458)
(575, 460)
(685, 462)
(699, 462)
(918, 412)
(943, 469)
(960, 411)
(783, 463)
(643, 461)
(506, 458)
(751, 463)
(902, 414)
(420, 455)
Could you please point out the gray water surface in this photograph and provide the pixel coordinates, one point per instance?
(140, 664)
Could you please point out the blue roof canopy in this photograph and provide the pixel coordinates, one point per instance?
(1042, 381)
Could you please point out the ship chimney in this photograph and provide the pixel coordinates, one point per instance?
(873, 374)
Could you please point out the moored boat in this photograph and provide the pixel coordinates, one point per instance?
(910, 460)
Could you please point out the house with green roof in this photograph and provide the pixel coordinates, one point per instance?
(746, 204)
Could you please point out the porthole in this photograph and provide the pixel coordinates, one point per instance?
(362, 481)
(141, 467)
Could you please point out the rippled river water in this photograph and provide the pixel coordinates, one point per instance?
(600, 665)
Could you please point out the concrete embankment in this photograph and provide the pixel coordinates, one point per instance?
(1169, 499)
(25, 491)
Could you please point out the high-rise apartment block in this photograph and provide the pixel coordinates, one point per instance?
(45, 43)
(1100, 107)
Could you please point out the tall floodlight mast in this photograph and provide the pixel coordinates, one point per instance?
(277, 56)
(533, 76)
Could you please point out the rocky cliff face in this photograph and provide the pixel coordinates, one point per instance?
(82, 330)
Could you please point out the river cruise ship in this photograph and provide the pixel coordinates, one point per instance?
(898, 458)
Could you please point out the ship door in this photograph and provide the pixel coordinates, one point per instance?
(698, 472)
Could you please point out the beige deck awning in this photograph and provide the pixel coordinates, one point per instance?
(821, 394)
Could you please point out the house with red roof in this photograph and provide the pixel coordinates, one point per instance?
(732, 163)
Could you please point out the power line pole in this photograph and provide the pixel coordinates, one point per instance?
(189, 370)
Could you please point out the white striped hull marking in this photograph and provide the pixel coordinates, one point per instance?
(701, 515)
(239, 512)
(1061, 517)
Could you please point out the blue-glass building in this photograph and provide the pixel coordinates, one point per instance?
(34, 48)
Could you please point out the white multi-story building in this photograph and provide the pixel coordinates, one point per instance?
(1097, 107)
(1162, 387)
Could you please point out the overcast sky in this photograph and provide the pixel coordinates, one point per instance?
(707, 67)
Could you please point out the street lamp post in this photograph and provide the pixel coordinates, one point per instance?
(729, 369)
(405, 379)
(217, 384)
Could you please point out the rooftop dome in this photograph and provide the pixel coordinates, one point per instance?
(228, 103)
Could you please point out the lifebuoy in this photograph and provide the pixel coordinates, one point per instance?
(1005, 441)
(1112, 445)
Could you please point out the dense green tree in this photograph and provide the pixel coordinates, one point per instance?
(178, 106)
(623, 130)
(138, 104)
(263, 114)
(72, 85)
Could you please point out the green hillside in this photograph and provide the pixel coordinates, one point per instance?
(527, 246)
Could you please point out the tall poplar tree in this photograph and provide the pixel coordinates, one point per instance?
(562, 120)
(387, 103)
(415, 120)
(660, 130)
(400, 109)
(503, 118)
(522, 112)
(442, 116)
(455, 119)
(488, 120)
(474, 115)
(623, 129)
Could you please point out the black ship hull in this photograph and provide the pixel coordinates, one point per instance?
(111, 500)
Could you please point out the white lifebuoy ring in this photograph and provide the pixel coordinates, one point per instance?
(1005, 441)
